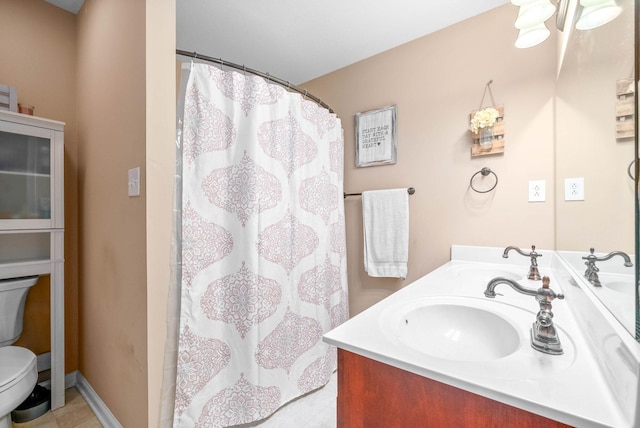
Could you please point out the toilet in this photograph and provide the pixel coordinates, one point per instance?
(18, 372)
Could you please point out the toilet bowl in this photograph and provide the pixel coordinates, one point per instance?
(18, 371)
(18, 377)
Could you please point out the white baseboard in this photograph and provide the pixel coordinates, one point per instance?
(43, 361)
(76, 379)
(102, 412)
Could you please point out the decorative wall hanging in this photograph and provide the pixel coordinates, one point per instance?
(487, 127)
(376, 138)
(625, 97)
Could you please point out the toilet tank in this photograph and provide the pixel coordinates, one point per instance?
(13, 295)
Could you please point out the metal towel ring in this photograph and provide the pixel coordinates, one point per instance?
(629, 170)
(484, 171)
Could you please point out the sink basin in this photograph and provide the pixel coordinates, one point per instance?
(618, 283)
(484, 274)
(458, 332)
(457, 328)
(625, 287)
(476, 336)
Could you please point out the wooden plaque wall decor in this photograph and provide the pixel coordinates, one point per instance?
(625, 97)
(497, 139)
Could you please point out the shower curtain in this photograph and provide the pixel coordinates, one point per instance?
(263, 256)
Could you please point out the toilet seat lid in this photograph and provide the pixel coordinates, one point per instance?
(15, 363)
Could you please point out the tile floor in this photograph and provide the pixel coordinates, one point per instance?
(75, 414)
(314, 410)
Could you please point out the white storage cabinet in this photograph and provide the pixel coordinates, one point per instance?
(32, 217)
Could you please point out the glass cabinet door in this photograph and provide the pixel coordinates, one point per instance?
(25, 176)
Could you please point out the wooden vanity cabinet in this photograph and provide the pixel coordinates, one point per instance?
(372, 394)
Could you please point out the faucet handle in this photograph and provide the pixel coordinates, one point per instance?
(591, 258)
(545, 293)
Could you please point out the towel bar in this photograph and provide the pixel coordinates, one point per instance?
(410, 190)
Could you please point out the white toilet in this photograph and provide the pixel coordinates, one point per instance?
(18, 372)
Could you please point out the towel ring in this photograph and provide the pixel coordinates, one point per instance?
(484, 171)
(629, 170)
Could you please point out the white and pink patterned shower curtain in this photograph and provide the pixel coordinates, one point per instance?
(263, 248)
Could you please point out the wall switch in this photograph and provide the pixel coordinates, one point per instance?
(537, 191)
(574, 189)
(134, 181)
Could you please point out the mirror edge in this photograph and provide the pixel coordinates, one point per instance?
(636, 166)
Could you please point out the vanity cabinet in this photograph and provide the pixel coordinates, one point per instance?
(373, 394)
(32, 217)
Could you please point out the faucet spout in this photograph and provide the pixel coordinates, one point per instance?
(625, 256)
(491, 286)
(533, 274)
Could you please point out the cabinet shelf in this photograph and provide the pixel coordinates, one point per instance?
(21, 268)
(32, 217)
(25, 174)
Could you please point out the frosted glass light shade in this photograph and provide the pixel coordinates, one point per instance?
(534, 12)
(528, 37)
(596, 13)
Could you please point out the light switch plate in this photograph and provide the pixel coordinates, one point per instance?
(537, 191)
(574, 189)
(134, 181)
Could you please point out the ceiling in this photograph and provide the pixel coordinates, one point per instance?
(298, 40)
(72, 6)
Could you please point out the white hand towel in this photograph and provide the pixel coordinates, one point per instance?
(385, 218)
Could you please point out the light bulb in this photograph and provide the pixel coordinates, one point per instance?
(528, 37)
(534, 12)
(596, 13)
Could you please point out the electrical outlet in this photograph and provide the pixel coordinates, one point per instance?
(134, 181)
(537, 191)
(574, 189)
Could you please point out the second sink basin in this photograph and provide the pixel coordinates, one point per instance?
(481, 273)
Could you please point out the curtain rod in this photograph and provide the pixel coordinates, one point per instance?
(266, 76)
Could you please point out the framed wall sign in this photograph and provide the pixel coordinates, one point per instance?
(376, 138)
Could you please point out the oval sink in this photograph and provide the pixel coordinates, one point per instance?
(620, 286)
(458, 332)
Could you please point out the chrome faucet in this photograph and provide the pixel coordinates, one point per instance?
(544, 337)
(533, 269)
(592, 270)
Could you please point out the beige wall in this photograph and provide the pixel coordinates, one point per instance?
(112, 136)
(38, 56)
(436, 81)
(109, 73)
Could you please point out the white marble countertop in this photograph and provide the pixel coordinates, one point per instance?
(569, 388)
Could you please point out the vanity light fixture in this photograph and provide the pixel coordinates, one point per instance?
(596, 13)
(533, 14)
